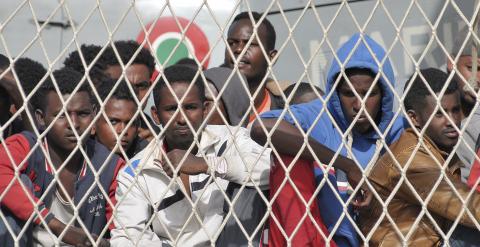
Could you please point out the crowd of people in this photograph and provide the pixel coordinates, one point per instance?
(228, 157)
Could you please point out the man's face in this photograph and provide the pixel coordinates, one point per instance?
(253, 64)
(80, 111)
(351, 105)
(120, 113)
(464, 67)
(137, 74)
(440, 129)
(178, 134)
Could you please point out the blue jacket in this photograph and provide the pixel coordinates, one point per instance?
(325, 131)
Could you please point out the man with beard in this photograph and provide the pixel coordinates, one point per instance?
(200, 160)
(420, 157)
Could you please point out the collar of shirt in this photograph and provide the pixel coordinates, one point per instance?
(210, 137)
(265, 106)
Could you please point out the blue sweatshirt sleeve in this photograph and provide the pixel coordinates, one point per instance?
(304, 114)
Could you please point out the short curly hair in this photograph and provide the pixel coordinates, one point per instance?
(67, 80)
(89, 52)
(178, 73)
(127, 49)
(29, 73)
(121, 92)
(435, 80)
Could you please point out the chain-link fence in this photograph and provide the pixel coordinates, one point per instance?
(239, 123)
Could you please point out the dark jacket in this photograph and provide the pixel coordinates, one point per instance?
(94, 210)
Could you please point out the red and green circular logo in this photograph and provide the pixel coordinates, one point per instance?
(166, 35)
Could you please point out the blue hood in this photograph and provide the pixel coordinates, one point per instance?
(362, 58)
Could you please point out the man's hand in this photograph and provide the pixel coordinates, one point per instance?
(363, 198)
(364, 195)
(192, 165)
(74, 235)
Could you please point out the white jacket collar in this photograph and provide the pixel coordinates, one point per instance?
(155, 150)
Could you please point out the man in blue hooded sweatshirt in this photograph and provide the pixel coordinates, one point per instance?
(360, 100)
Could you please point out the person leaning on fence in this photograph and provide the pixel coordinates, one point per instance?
(423, 169)
(304, 93)
(253, 64)
(144, 186)
(139, 73)
(29, 74)
(373, 84)
(55, 210)
(120, 109)
(463, 73)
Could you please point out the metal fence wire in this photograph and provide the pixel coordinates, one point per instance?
(239, 123)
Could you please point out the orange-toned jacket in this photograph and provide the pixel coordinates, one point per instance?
(423, 170)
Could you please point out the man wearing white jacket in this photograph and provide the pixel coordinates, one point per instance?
(168, 196)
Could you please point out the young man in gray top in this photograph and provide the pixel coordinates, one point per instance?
(463, 61)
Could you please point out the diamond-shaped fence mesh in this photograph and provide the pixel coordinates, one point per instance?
(239, 123)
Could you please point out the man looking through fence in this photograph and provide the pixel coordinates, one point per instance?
(373, 83)
(120, 109)
(138, 73)
(76, 176)
(145, 188)
(422, 170)
(253, 64)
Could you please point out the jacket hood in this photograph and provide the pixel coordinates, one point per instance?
(362, 57)
(235, 97)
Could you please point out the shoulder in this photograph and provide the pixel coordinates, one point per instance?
(103, 159)
(396, 130)
(224, 132)
(22, 141)
(142, 159)
(24, 136)
(131, 168)
(404, 146)
(99, 153)
(21, 148)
